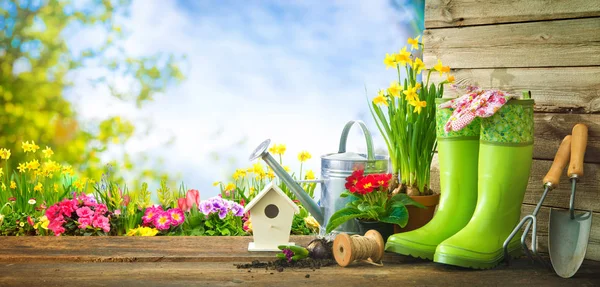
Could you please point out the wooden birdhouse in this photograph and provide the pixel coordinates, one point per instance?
(271, 213)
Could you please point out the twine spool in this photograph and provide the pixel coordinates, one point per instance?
(347, 249)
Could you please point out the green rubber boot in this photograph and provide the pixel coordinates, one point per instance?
(458, 155)
(505, 157)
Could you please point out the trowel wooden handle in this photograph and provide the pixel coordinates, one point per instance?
(560, 162)
(578, 145)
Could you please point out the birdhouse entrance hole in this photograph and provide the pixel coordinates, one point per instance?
(271, 211)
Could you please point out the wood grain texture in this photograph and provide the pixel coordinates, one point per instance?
(560, 43)
(519, 273)
(453, 13)
(555, 90)
(593, 249)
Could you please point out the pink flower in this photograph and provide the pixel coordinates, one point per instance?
(52, 212)
(68, 206)
(84, 222)
(56, 225)
(176, 215)
(162, 221)
(117, 212)
(84, 212)
(101, 222)
(150, 214)
(101, 209)
(29, 220)
(193, 197)
(182, 204)
(126, 200)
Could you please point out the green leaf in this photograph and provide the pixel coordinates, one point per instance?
(402, 198)
(341, 216)
(345, 194)
(398, 215)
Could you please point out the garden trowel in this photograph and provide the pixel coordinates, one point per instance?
(569, 232)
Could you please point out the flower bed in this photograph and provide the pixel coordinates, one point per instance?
(45, 197)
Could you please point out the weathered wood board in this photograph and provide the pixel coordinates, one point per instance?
(561, 43)
(209, 261)
(452, 13)
(555, 90)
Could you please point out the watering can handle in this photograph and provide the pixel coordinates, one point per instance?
(369, 139)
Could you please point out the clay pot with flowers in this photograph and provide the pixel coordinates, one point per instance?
(405, 116)
(372, 205)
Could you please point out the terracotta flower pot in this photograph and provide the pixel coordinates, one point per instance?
(418, 217)
(385, 229)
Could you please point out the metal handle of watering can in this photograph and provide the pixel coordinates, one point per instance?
(368, 138)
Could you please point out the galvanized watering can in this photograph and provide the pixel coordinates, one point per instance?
(335, 167)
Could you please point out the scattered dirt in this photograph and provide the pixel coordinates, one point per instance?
(281, 265)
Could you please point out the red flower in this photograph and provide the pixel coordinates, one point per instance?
(29, 220)
(367, 184)
(382, 180)
(354, 178)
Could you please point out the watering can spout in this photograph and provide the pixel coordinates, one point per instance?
(307, 201)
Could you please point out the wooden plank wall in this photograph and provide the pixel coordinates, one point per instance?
(551, 48)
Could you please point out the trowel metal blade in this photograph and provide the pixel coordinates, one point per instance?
(568, 240)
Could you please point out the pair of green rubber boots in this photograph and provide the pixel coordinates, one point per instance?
(484, 170)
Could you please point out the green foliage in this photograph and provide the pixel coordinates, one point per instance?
(197, 223)
(33, 100)
(14, 223)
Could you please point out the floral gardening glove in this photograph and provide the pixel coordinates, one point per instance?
(477, 103)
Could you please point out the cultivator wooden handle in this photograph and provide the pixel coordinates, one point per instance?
(561, 159)
(578, 145)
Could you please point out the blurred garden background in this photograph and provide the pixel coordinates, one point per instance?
(187, 89)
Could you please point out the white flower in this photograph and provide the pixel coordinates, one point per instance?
(1, 218)
(32, 201)
(22, 224)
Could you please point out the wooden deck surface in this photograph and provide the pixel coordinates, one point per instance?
(209, 261)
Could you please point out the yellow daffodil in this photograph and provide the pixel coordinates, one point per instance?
(411, 92)
(450, 79)
(55, 187)
(230, 186)
(395, 89)
(304, 156)
(4, 153)
(3, 186)
(258, 170)
(29, 147)
(47, 152)
(38, 187)
(440, 68)
(1, 171)
(418, 105)
(403, 57)
(252, 190)
(380, 99)
(418, 65)
(310, 175)
(79, 184)
(67, 170)
(278, 149)
(390, 61)
(270, 174)
(216, 183)
(239, 174)
(286, 168)
(33, 165)
(22, 167)
(13, 184)
(414, 43)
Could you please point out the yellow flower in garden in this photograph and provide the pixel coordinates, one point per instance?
(238, 174)
(13, 184)
(47, 152)
(50, 167)
(142, 231)
(79, 183)
(4, 153)
(310, 175)
(38, 187)
(278, 149)
(258, 170)
(411, 93)
(33, 165)
(1, 171)
(29, 147)
(395, 89)
(380, 99)
(450, 79)
(270, 174)
(312, 223)
(67, 170)
(304, 156)
(390, 61)
(414, 43)
(55, 187)
(403, 57)
(252, 190)
(216, 183)
(440, 68)
(230, 186)
(3, 186)
(22, 167)
(286, 168)
(418, 65)
(42, 222)
(418, 105)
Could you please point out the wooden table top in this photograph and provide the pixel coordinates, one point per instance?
(210, 261)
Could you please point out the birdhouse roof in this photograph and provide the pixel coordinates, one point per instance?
(274, 187)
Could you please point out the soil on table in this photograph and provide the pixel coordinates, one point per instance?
(280, 265)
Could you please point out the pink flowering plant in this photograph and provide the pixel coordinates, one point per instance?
(166, 221)
(82, 215)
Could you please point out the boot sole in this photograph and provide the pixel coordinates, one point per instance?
(514, 252)
(408, 251)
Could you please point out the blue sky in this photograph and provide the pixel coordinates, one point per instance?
(294, 72)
